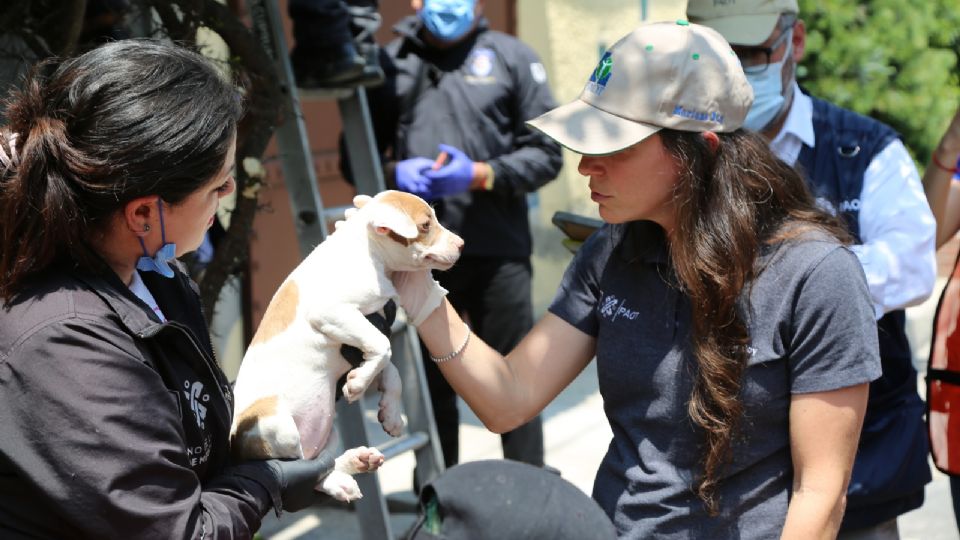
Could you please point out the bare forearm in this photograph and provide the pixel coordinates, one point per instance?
(824, 430)
(814, 514)
(936, 186)
(480, 375)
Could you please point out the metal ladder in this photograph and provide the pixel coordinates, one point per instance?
(311, 218)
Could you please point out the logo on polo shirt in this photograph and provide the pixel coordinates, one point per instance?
(598, 79)
(612, 307)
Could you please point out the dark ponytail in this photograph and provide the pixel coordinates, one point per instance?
(122, 121)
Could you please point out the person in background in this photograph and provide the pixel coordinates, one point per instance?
(733, 330)
(941, 183)
(461, 92)
(114, 412)
(333, 45)
(859, 169)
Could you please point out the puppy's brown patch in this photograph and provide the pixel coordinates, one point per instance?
(419, 211)
(280, 313)
(244, 446)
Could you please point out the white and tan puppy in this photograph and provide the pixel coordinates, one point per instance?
(285, 390)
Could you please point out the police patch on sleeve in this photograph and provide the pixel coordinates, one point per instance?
(538, 72)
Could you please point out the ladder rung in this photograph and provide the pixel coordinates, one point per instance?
(405, 443)
(335, 213)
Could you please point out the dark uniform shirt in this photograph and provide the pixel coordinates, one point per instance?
(475, 96)
(810, 321)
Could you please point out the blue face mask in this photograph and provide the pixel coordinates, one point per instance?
(159, 263)
(447, 20)
(767, 93)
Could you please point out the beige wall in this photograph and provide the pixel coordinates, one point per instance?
(569, 36)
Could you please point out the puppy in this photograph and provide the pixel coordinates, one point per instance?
(285, 390)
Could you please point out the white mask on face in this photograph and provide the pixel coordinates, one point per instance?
(767, 92)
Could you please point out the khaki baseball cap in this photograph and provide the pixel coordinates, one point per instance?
(673, 75)
(741, 22)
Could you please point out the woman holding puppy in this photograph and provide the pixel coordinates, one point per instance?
(114, 414)
(732, 329)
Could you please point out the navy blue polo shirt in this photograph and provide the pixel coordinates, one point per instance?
(812, 329)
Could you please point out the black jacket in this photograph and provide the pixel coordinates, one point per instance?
(113, 424)
(476, 96)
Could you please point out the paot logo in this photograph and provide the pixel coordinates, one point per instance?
(846, 205)
(612, 307)
(598, 80)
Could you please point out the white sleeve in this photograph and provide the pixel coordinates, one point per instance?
(897, 230)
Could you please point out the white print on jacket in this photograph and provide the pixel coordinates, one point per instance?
(196, 395)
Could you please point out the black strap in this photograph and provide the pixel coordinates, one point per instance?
(944, 375)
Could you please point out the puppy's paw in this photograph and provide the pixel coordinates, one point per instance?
(359, 459)
(355, 386)
(341, 486)
(389, 416)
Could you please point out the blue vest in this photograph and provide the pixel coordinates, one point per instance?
(891, 465)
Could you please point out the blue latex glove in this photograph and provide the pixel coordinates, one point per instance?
(409, 176)
(454, 177)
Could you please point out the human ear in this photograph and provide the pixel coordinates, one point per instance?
(713, 141)
(799, 40)
(140, 213)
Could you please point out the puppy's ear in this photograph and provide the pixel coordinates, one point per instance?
(361, 200)
(387, 217)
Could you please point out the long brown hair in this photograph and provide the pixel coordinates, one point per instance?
(730, 202)
(125, 120)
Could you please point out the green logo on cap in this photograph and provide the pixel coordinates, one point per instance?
(601, 74)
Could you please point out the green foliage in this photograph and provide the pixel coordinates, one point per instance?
(897, 61)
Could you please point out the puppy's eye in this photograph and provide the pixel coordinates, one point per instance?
(424, 227)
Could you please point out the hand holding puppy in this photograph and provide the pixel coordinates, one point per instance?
(419, 293)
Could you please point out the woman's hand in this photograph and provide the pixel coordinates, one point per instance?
(299, 479)
(420, 294)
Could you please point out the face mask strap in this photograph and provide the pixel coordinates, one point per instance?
(163, 231)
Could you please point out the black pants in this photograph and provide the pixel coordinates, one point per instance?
(323, 24)
(495, 296)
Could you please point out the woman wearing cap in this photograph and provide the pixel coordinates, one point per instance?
(732, 329)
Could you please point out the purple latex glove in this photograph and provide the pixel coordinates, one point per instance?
(409, 176)
(454, 177)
